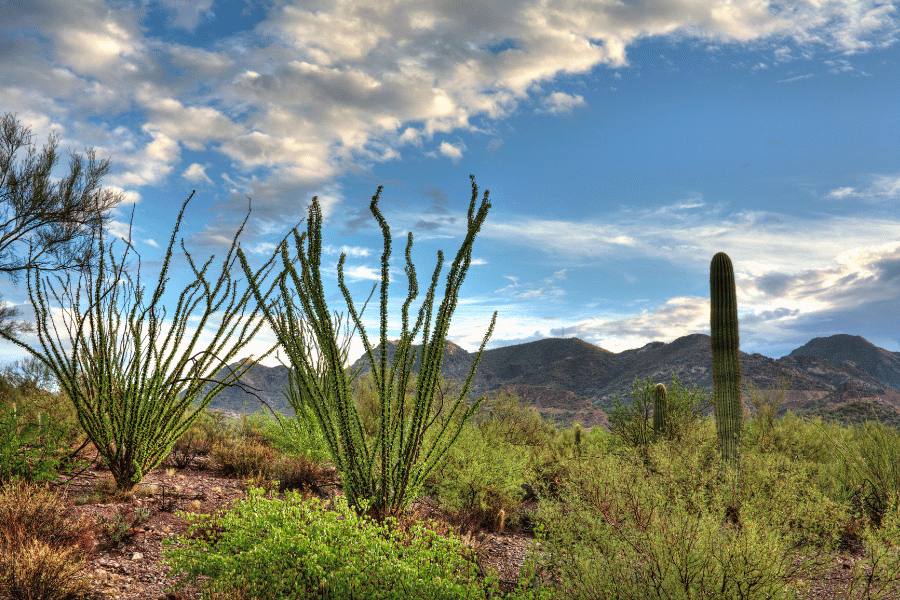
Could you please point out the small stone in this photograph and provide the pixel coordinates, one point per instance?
(137, 556)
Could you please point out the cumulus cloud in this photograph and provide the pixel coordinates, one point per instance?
(196, 173)
(129, 197)
(681, 234)
(352, 251)
(677, 317)
(313, 92)
(452, 151)
(561, 103)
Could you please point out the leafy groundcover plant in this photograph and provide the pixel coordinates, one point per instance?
(272, 548)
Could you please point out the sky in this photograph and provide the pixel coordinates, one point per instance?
(624, 143)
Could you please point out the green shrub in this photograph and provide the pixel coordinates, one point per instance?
(504, 419)
(31, 450)
(271, 548)
(618, 534)
(761, 428)
(632, 424)
(479, 477)
(871, 468)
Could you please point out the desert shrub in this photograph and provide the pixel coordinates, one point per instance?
(243, 458)
(617, 533)
(632, 423)
(37, 426)
(479, 477)
(503, 418)
(805, 439)
(786, 496)
(760, 430)
(871, 470)
(297, 438)
(115, 531)
(188, 447)
(42, 552)
(303, 474)
(272, 548)
(213, 427)
(877, 573)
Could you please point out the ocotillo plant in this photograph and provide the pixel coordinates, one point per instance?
(660, 410)
(723, 324)
(131, 376)
(380, 475)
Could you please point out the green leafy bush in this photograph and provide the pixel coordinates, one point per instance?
(272, 548)
(480, 478)
(31, 450)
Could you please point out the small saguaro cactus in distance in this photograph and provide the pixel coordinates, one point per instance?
(578, 433)
(660, 409)
(723, 325)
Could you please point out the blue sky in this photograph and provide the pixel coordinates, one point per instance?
(623, 144)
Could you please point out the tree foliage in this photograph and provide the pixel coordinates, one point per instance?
(46, 225)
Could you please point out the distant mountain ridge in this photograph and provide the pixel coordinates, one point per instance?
(568, 379)
(881, 364)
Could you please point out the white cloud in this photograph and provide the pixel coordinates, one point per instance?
(150, 165)
(797, 78)
(129, 197)
(196, 173)
(354, 273)
(561, 103)
(187, 14)
(452, 151)
(841, 193)
(353, 251)
(881, 188)
(686, 236)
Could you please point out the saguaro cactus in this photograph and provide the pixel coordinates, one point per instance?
(660, 409)
(723, 325)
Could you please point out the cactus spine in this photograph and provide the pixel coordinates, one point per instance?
(723, 325)
(660, 409)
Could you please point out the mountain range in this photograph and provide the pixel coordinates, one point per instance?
(841, 377)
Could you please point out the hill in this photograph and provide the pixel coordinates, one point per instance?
(569, 380)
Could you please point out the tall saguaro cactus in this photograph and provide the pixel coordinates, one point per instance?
(660, 409)
(723, 324)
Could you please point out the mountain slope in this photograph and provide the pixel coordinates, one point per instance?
(570, 380)
(879, 363)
